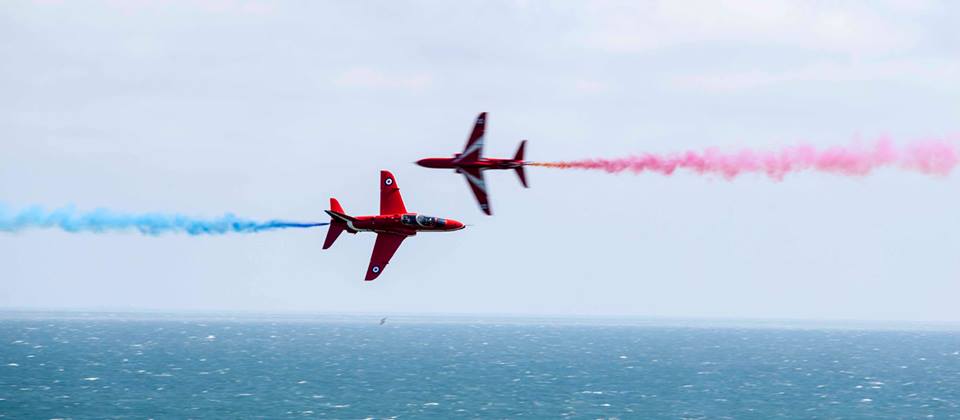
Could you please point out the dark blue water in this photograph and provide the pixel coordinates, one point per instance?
(163, 367)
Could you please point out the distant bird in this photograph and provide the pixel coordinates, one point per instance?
(383, 320)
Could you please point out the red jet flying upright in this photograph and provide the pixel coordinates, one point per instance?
(471, 163)
(392, 225)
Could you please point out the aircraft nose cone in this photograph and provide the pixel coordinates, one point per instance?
(454, 225)
(421, 162)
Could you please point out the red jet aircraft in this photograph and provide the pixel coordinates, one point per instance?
(392, 225)
(471, 164)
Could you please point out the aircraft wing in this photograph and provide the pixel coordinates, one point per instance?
(390, 200)
(478, 186)
(383, 250)
(474, 148)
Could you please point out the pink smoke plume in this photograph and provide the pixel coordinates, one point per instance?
(928, 157)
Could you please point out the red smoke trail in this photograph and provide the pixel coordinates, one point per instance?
(929, 157)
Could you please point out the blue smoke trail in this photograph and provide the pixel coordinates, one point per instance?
(102, 220)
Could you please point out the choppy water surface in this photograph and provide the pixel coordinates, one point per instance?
(91, 367)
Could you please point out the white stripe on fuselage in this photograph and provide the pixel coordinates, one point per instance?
(348, 222)
(354, 228)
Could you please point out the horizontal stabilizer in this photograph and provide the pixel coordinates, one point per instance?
(522, 175)
(519, 155)
(338, 222)
(519, 158)
(333, 232)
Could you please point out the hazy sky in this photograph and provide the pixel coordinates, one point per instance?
(266, 109)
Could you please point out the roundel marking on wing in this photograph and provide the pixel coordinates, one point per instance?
(375, 269)
(388, 181)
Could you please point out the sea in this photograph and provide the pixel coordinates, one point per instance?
(72, 365)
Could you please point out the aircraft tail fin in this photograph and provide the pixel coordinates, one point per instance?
(338, 223)
(519, 157)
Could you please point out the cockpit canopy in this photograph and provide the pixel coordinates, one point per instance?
(421, 220)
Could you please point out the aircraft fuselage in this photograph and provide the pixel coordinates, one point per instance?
(407, 224)
(482, 163)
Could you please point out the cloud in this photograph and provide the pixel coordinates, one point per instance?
(626, 27)
(252, 7)
(931, 71)
(590, 86)
(368, 78)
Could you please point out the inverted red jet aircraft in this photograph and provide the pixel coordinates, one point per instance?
(471, 163)
(392, 225)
